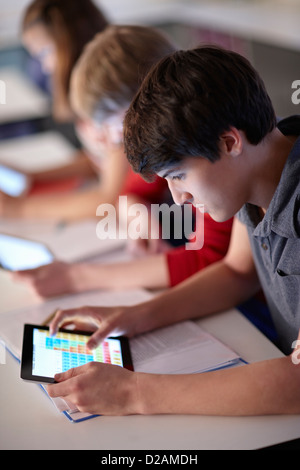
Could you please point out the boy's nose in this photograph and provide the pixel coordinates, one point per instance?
(180, 197)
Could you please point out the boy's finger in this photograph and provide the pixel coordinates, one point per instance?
(60, 317)
(98, 337)
(63, 386)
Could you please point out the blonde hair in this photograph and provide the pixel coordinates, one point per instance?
(71, 24)
(112, 67)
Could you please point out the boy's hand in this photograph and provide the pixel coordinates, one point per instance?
(104, 321)
(98, 388)
(53, 279)
(10, 206)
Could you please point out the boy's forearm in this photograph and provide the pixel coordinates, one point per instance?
(214, 289)
(264, 388)
(149, 272)
(69, 207)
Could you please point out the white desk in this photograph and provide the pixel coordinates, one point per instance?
(30, 421)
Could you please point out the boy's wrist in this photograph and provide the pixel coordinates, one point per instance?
(144, 393)
(153, 394)
(94, 276)
(13, 207)
(146, 316)
(84, 277)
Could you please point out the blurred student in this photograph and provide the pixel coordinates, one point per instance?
(226, 150)
(103, 83)
(55, 33)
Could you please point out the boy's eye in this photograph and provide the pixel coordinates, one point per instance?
(178, 177)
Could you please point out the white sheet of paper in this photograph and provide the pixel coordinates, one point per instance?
(71, 242)
(23, 99)
(78, 241)
(181, 348)
(38, 152)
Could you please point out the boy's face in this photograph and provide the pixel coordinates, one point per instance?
(218, 185)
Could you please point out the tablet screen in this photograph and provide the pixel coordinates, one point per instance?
(12, 182)
(43, 355)
(17, 253)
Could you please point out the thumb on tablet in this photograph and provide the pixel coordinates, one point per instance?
(68, 374)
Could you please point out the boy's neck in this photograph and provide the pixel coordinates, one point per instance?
(270, 157)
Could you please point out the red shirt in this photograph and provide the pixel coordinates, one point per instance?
(151, 192)
(63, 185)
(184, 263)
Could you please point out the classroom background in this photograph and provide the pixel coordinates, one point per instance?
(266, 31)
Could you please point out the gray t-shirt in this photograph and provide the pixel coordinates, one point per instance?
(275, 242)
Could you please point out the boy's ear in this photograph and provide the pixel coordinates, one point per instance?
(231, 142)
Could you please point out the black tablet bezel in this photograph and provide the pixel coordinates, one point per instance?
(27, 352)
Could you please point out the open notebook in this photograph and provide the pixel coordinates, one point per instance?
(177, 349)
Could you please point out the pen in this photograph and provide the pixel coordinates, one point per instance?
(49, 318)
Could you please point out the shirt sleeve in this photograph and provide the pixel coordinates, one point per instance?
(184, 263)
(56, 186)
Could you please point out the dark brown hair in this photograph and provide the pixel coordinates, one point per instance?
(71, 24)
(112, 67)
(187, 101)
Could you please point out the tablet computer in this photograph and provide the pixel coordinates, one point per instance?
(13, 182)
(18, 253)
(43, 355)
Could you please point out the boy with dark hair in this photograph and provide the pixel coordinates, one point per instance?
(207, 98)
(203, 120)
(188, 102)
